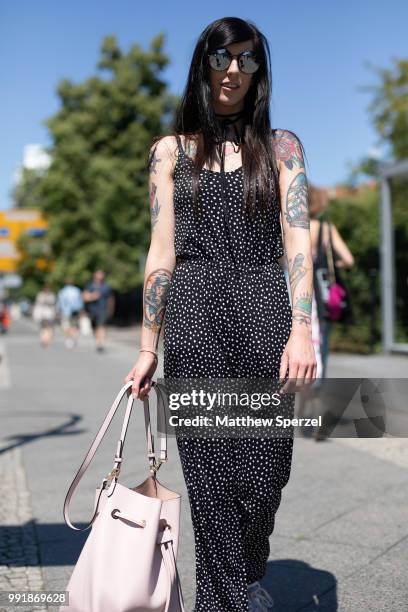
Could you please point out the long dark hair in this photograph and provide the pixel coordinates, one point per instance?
(195, 114)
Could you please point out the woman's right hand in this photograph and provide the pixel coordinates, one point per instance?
(141, 374)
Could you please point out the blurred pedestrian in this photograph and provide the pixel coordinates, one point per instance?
(15, 311)
(85, 325)
(70, 304)
(5, 318)
(25, 307)
(328, 248)
(99, 304)
(44, 313)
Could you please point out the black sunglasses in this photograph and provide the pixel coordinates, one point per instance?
(221, 60)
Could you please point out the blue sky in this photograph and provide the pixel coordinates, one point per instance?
(319, 53)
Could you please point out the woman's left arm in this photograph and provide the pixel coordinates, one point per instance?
(298, 357)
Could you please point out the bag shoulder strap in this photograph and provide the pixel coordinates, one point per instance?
(113, 475)
(330, 259)
(320, 237)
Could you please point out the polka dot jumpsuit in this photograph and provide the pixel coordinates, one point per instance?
(228, 315)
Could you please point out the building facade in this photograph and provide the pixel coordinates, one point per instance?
(13, 223)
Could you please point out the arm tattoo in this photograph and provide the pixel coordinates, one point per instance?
(297, 206)
(190, 148)
(287, 149)
(153, 162)
(302, 310)
(155, 297)
(154, 205)
(297, 271)
(301, 319)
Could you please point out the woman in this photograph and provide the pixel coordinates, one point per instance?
(45, 313)
(343, 258)
(213, 278)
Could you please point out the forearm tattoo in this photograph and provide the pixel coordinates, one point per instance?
(154, 205)
(302, 309)
(297, 206)
(155, 298)
(297, 270)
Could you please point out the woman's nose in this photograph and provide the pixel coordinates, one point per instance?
(233, 67)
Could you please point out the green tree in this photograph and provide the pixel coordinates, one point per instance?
(35, 265)
(389, 113)
(358, 220)
(27, 192)
(95, 193)
(389, 107)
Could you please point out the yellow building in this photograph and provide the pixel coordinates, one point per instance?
(13, 223)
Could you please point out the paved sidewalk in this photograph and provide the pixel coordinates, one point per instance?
(20, 564)
(341, 535)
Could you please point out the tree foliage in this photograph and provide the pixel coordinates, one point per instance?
(95, 192)
(27, 191)
(389, 107)
(358, 218)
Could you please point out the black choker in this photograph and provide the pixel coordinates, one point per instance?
(230, 119)
(238, 114)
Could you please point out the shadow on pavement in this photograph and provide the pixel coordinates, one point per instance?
(20, 439)
(57, 544)
(298, 587)
(294, 585)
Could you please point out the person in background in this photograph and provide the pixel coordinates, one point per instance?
(15, 311)
(44, 313)
(98, 298)
(308, 402)
(25, 307)
(343, 258)
(70, 304)
(5, 317)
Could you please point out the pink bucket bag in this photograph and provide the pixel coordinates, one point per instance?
(128, 562)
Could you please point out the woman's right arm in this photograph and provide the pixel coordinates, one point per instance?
(160, 263)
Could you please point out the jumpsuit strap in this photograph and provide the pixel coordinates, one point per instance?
(180, 146)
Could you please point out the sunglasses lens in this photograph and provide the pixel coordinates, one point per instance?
(248, 63)
(219, 60)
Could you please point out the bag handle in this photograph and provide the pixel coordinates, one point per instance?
(330, 261)
(113, 475)
(320, 237)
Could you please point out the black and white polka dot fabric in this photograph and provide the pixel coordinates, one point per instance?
(228, 315)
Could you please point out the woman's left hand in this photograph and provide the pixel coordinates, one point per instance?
(299, 359)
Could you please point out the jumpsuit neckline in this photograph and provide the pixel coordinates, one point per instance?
(240, 168)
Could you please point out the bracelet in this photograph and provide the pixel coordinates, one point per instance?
(149, 351)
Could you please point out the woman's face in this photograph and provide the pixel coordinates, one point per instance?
(231, 99)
